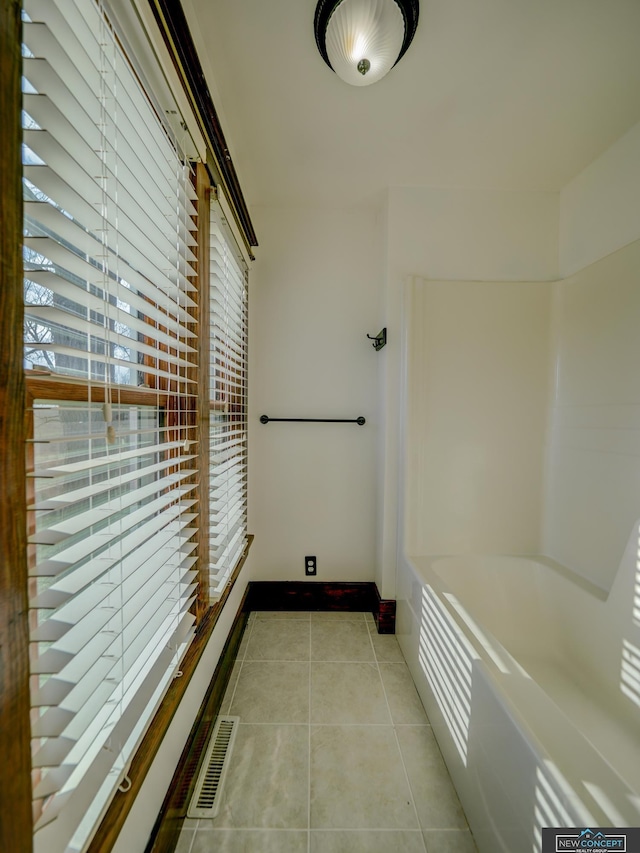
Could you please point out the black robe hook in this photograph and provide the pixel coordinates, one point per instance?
(379, 340)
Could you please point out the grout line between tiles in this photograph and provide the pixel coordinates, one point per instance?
(357, 616)
(253, 829)
(193, 838)
(372, 661)
(334, 725)
(395, 734)
(382, 829)
(369, 829)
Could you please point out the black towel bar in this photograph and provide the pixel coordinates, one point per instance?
(265, 419)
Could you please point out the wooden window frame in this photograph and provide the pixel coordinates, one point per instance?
(15, 734)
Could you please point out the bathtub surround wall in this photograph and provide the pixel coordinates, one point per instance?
(476, 415)
(592, 495)
(458, 238)
(470, 352)
(600, 207)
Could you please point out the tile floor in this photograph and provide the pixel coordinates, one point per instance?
(334, 752)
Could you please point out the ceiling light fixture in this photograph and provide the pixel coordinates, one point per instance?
(361, 40)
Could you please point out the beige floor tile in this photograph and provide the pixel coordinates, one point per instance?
(231, 686)
(436, 800)
(244, 642)
(347, 693)
(366, 841)
(404, 702)
(336, 616)
(386, 647)
(184, 841)
(449, 841)
(360, 801)
(340, 641)
(272, 692)
(250, 841)
(280, 615)
(279, 640)
(357, 779)
(268, 779)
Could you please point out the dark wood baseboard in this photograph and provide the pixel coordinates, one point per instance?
(385, 614)
(317, 595)
(164, 836)
(311, 595)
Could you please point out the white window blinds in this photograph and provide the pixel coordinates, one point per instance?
(228, 396)
(110, 353)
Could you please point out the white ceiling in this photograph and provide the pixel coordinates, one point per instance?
(504, 94)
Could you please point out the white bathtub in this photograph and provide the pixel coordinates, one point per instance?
(531, 679)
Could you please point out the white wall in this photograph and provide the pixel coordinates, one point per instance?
(473, 235)
(314, 295)
(453, 235)
(344, 271)
(476, 416)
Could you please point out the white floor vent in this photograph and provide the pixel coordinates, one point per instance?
(205, 801)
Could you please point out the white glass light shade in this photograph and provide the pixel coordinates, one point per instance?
(359, 30)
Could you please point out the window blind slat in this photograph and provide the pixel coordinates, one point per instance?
(66, 195)
(59, 823)
(143, 256)
(140, 368)
(220, 579)
(65, 529)
(81, 358)
(218, 483)
(49, 249)
(84, 176)
(70, 497)
(58, 594)
(233, 347)
(46, 216)
(159, 546)
(83, 142)
(110, 227)
(70, 42)
(107, 459)
(222, 555)
(227, 433)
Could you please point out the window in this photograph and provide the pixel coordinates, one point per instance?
(111, 361)
(228, 402)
